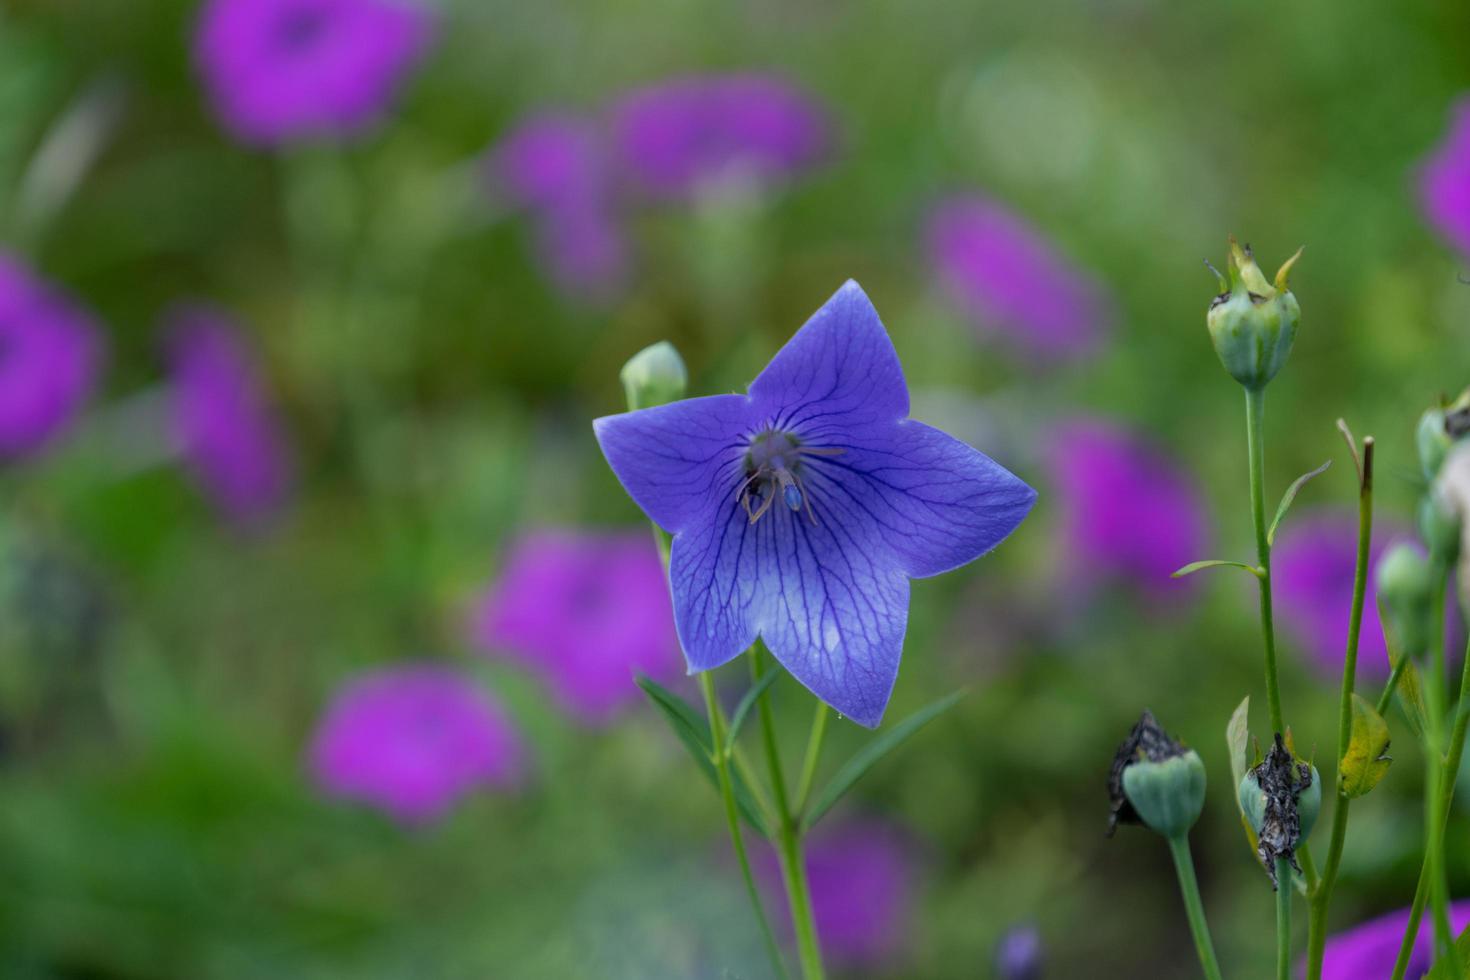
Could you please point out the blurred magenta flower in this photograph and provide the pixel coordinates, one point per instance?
(1368, 951)
(1128, 511)
(222, 420)
(1004, 275)
(585, 612)
(50, 356)
(801, 510)
(284, 70)
(551, 161)
(413, 740)
(1444, 182)
(1312, 567)
(554, 166)
(679, 136)
(861, 878)
(1018, 955)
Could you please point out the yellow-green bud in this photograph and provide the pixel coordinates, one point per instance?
(1405, 594)
(654, 376)
(1439, 429)
(1252, 321)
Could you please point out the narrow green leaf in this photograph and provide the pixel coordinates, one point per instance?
(1237, 740)
(1290, 495)
(742, 710)
(1441, 970)
(869, 754)
(1196, 566)
(1408, 688)
(1365, 762)
(693, 731)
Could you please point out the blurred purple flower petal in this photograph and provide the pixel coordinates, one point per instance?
(1007, 278)
(413, 740)
(554, 167)
(861, 877)
(551, 161)
(1128, 511)
(50, 356)
(282, 70)
(1444, 182)
(1018, 954)
(584, 612)
(1312, 569)
(224, 424)
(679, 136)
(1368, 951)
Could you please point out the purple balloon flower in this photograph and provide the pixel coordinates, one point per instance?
(1003, 274)
(50, 354)
(585, 612)
(861, 880)
(412, 741)
(1128, 511)
(801, 510)
(221, 417)
(1444, 182)
(1368, 951)
(677, 137)
(281, 70)
(1312, 567)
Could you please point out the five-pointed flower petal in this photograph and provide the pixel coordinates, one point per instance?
(801, 510)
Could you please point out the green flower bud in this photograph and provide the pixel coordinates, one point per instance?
(1156, 781)
(1253, 322)
(1439, 429)
(1405, 594)
(1281, 799)
(654, 376)
(1169, 795)
(1439, 526)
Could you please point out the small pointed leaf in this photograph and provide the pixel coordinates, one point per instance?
(1196, 566)
(742, 710)
(1237, 738)
(869, 754)
(1365, 762)
(693, 732)
(1290, 496)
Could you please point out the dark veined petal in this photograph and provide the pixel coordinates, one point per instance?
(935, 501)
(840, 369)
(829, 599)
(678, 462)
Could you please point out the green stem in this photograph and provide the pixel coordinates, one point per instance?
(1439, 787)
(732, 817)
(1193, 907)
(1283, 919)
(1321, 896)
(813, 752)
(1446, 799)
(793, 861)
(1386, 698)
(1255, 419)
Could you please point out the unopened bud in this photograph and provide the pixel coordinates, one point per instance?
(1253, 322)
(1405, 595)
(654, 376)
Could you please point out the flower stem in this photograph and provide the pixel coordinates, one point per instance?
(732, 816)
(793, 861)
(1439, 786)
(1255, 418)
(1322, 895)
(1193, 907)
(1283, 919)
(813, 752)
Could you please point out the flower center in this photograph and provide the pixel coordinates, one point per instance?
(773, 468)
(300, 29)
